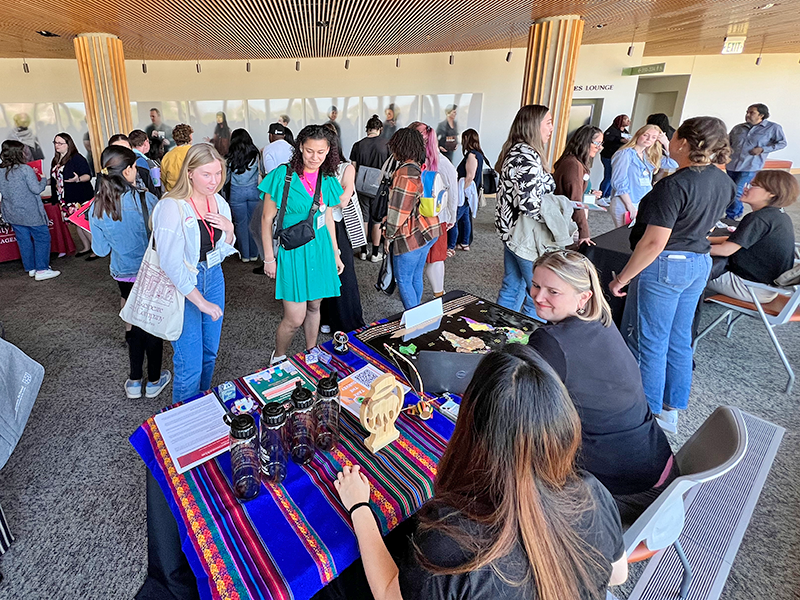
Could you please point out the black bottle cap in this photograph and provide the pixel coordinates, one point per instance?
(328, 386)
(243, 427)
(302, 398)
(273, 415)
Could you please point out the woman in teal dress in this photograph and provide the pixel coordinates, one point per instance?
(305, 275)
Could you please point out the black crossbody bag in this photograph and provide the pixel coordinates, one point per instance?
(303, 232)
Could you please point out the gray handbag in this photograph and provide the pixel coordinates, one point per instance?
(20, 380)
(368, 180)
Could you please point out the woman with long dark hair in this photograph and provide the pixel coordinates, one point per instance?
(22, 208)
(613, 139)
(524, 178)
(511, 517)
(222, 139)
(470, 169)
(670, 264)
(306, 274)
(343, 312)
(119, 222)
(571, 173)
(244, 169)
(70, 182)
(410, 234)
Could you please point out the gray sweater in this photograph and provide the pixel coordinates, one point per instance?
(21, 202)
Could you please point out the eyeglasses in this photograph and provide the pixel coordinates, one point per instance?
(598, 144)
(748, 186)
(59, 143)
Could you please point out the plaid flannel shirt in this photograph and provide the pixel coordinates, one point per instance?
(404, 225)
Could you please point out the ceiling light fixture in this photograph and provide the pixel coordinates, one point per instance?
(297, 65)
(452, 58)
(198, 67)
(248, 66)
(510, 43)
(508, 56)
(760, 52)
(144, 66)
(599, 25)
(45, 33)
(347, 63)
(397, 62)
(323, 23)
(630, 48)
(765, 6)
(25, 67)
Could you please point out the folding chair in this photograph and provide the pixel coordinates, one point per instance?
(783, 309)
(714, 449)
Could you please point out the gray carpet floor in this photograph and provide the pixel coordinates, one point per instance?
(74, 489)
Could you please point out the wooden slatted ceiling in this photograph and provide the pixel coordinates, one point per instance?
(265, 29)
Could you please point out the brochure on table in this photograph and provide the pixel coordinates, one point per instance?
(276, 383)
(194, 432)
(355, 386)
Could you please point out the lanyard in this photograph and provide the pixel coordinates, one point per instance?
(208, 210)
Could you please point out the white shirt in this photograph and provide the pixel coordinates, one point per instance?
(276, 153)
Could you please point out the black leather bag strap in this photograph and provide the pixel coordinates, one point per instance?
(282, 211)
(145, 213)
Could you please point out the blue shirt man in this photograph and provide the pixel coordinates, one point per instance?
(751, 141)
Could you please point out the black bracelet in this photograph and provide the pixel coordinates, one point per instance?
(359, 505)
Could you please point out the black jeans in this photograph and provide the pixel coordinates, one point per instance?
(141, 344)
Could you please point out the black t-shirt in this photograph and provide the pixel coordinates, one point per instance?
(767, 240)
(612, 141)
(605, 384)
(689, 202)
(205, 240)
(370, 152)
(599, 526)
(447, 138)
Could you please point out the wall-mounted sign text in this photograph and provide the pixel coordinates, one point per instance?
(645, 69)
(594, 88)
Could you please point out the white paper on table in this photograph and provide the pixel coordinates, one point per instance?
(355, 386)
(422, 313)
(194, 432)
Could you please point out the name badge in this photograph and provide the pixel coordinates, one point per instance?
(586, 177)
(645, 181)
(320, 221)
(213, 258)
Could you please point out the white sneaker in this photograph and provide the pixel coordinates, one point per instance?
(325, 329)
(668, 420)
(246, 260)
(363, 255)
(32, 273)
(274, 360)
(604, 202)
(48, 274)
(376, 258)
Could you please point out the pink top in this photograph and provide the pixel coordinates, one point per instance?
(310, 183)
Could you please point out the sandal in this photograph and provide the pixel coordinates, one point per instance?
(464, 247)
(451, 252)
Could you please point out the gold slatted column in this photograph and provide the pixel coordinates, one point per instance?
(101, 62)
(553, 47)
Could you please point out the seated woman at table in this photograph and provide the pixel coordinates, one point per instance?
(762, 247)
(511, 517)
(623, 446)
(21, 205)
(306, 274)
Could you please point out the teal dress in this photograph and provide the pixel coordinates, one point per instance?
(308, 272)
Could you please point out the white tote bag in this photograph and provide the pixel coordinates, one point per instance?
(155, 304)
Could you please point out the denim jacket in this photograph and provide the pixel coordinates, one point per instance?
(125, 240)
(250, 176)
(178, 240)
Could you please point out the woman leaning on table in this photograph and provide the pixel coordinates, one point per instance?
(587, 351)
(194, 234)
(670, 264)
(71, 184)
(307, 274)
(511, 516)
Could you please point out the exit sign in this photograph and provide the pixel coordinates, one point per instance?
(645, 69)
(734, 44)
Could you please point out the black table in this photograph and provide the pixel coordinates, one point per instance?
(610, 255)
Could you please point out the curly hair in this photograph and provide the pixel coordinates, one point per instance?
(182, 134)
(315, 132)
(408, 144)
(708, 140)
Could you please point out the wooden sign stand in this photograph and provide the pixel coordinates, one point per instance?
(379, 411)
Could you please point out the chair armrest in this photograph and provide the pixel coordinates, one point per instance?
(785, 291)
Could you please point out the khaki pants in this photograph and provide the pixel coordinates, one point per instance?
(617, 210)
(732, 285)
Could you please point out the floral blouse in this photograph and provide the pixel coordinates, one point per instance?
(523, 182)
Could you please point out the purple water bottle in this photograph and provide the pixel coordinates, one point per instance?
(326, 411)
(245, 465)
(302, 426)
(273, 442)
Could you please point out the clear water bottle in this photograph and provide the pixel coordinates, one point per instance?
(273, 442)
(326, 412)
(301, 425)
(245, 464)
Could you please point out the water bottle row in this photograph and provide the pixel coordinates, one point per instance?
(307, 422)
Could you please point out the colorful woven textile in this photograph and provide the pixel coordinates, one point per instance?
(295, 537)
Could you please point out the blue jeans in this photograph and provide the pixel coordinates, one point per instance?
(195, 352)
(408, 268)
(244, 201)
(605, 185)
(741, 179)
(515, 289)
(461, 232)
(657, 325)
(34, 246)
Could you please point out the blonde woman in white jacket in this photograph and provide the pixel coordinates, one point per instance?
(194, 234)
